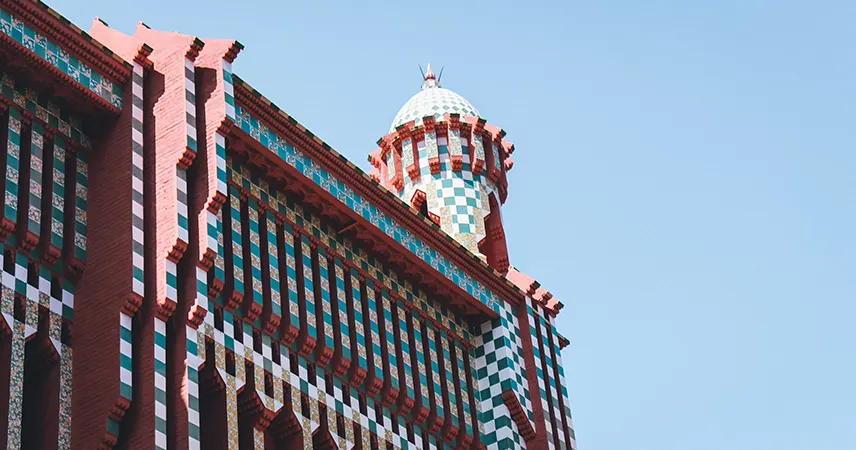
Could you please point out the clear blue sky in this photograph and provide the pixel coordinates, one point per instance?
(684, 183)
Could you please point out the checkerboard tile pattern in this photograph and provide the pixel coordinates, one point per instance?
(499, 367)
(378, 280)
(160, 384)
(190, 96)
(434, 101)
(58, 193)
(137, 167)
(37, 294)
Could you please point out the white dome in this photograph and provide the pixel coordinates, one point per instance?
(432, 100)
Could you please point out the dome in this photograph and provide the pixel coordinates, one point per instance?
(432, 100)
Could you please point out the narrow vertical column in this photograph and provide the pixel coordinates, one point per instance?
(231, 395)
(160, 384)
(407, 399)
(54, 249)
(235, 270)
(287, 260)
(455, 149)
(324, 320)
(126, 367)
(567, 419)
(195, 358)
(423, 403)
(375, 375)
(462, 387)
(391, 386)
(13, 155)
(356, 322)
(273, 301)
(451, 426)
(190, 104)
(438, 414)
(342, 358)
(80, 199)
(308, 331)
(212, 249)
(563, 410)
(16, 383)
(546, 382)
(65, 365)
(181, 197)
(252, 251)
(34, 205)
(478, 154)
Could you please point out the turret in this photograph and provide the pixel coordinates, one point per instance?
(450, 165)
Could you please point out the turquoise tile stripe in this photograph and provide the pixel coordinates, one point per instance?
(13, 155)
(366, 209)
(52, 53)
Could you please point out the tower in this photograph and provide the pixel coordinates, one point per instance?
(441, 157)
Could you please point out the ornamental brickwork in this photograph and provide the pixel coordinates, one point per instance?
(185, 266)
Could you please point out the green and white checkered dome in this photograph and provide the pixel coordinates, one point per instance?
(432, 100)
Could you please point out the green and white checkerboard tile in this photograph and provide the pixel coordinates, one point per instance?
(389, 338)
(342, 302)
(326, 306)
(58, 192)
(80, 224)
(291, 275)
(434, 101)
(234, 204)
(374, 330)
(273, 264)
(190, 103)
(229, 90)
(255, 252)
(34, 213)
(13, 162)
(450, 388)
(359, 320)
(308, 287)
(160, 384)
(404, 342)
(181, 205)
(38, 295)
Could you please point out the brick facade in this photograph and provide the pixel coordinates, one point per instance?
(185, 266)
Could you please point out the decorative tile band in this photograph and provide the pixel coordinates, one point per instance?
(46, 110)
(366, 209)
(52, 53)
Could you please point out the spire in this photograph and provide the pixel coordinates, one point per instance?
(429, 75)
(430, 80)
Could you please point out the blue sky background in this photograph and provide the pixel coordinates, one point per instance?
(684, 183)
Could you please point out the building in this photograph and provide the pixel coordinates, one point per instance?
(185, 266)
